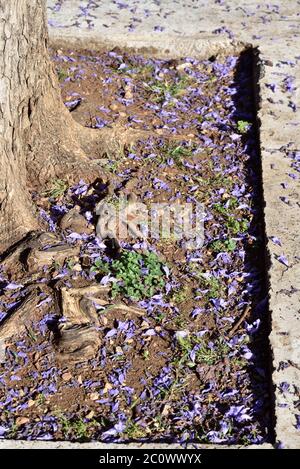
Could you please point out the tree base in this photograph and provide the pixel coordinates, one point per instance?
(74, 336)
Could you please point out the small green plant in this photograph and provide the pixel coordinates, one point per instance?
(141, 275)
(41, 399)
(243, 126)
(145, 354)
(207, 352)
(235, 226)
(70, 263)
(211, 355)
(80, 429)
(223, 245)
(160, 317)
(174, 151)
(180, 322)
(134, 431)
(138, 275)
(112, 166)
(143, 70)
(57, 189)
(212, 284)
(180, 151)
(232, 202)
(30, 333)
(220, 208)
(114, 160)
(13, 431)
(179, 296)
(100, 267)
(163, 89)
(75, 428)
(62, 74)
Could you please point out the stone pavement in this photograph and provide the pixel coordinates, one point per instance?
(196, 27)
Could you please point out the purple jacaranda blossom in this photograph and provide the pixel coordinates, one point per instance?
(13, 286)
(224, 30)
(219, 303)
(152, 303)
(45, 437)
(107, 279)
(88, 215)
(150, 332)
(229, 393)
(111, 333)
(252, 328)
(196, 311)
(46, 300)
(71, 105)
(116, 430)
(239, 413)
(115, 407)
(284, 387)
(123, 325)
(74, 236)
(284, 199)
(271, 86)
(80, 188)
(215, 437)
(246, 352)
(46, 323)
(293, 106)
(15, 378)
(181, 335)
(275, 240)
(3, 430)
(48, 219)
(159, 184)
(283, 260)
(121, 377)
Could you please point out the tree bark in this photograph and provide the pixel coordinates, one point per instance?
(38, 137)
(39, 140)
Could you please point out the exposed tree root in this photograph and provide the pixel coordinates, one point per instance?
(22, 316)
(76, 338)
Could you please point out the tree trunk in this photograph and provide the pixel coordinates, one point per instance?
(39, 139)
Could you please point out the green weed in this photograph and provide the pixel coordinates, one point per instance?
(243, 126)
(139, 275)
(213, 284)
(134, 431)
(62, 74)
(163, 89)
(209, 353)
(223, 245)
(57, 189)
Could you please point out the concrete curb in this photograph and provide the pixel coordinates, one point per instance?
(14, 444)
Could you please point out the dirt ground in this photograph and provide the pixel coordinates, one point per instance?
(192, 364)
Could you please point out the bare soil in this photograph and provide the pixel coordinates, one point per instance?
(186, 368)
